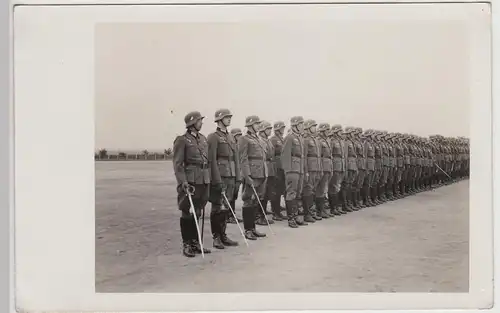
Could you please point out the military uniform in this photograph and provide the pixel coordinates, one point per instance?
(293, 162)
(352, 170)
(327, 168)
(252, 155)
(379, 167)
(385, 168)
(369, 148)
(339, 171)
(236, 133)
(361, 164)
(400, 162)
(278, 184)
(314, 172)
(191, 168)
(224, 172)
(271, 173)
(391, 176)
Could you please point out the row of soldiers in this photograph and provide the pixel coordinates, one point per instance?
(322, 171)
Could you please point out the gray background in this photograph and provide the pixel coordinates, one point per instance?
(407, 76)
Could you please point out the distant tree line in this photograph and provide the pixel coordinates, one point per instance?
(105, 155)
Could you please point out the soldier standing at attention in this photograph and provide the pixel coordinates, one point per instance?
(279, 179)
(368, 185)
(236, 132)
(386, 166)
(361, 163)
(379, 167)
(264, 133)
(254, 169)
(313, 170)
(191, 168)
(400, 165)
(407, 166)
(352, 169)
(392, 167)
(339, 168)
(327, 166)
(224, 171)
(293, 162)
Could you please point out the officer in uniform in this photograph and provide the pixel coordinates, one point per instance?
(254, 169)
(264, 133)
(379, 167)
(293, 162)
(327, 166)
(407, 165)
(368, 185)
(279, 181)
(313, 170)
(391, 176)
(385, 167)
(192, 172)
(224, 171)
(352, 169)
(361, 164)
(236, 133)
(400, 162)
(339, 169)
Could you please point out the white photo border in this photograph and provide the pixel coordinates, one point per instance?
(55, 261)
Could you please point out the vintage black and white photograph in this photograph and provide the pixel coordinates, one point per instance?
(282, 157)
(250, 157)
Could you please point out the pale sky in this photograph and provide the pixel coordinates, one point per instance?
(402, 76)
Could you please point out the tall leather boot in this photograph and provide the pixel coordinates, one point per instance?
(254, 229)
(320, 205)
(248, 221)
(362, 197)
(231, 218)
(215, 225)
(348, 197)
(374, 193)
(382, 193)
(333, 198)
(344, 200)
(290, 212)
(226, 241)
(307, 203)
(195, 244)
(276, 207)
(367, 197)
(299, 218)
(314, 210)
(187, 249)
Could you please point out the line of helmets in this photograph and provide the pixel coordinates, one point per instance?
(299, 123)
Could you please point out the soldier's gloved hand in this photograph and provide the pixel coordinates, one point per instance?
(219, 187)
(186, 186)
(249, 180)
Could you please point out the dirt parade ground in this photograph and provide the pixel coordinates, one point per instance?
(416, 244)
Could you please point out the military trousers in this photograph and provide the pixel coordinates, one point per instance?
(369, 176)
(377, 174)
(252, 201)
(350, 178)
(270, 189)
(399, 174)
(384, 175)
(216, 198)
(324, 182)
(336, 182)
(278, 185)
(199, 198)
(360, 178)
(294, 185)
(248, 195)
(311, 183)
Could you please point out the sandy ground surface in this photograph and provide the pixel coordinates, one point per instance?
(416, 244)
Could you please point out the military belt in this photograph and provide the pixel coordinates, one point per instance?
(313, 156)
(255, 158)
(200, 165)
(220, 157)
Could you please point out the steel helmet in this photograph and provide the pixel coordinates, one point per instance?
(236, 131)
(251, 120)
(323, 127)
(222, 113)
(264, 125)
(296, 120)
(192, 117)
(279, 125)
(309, 123)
